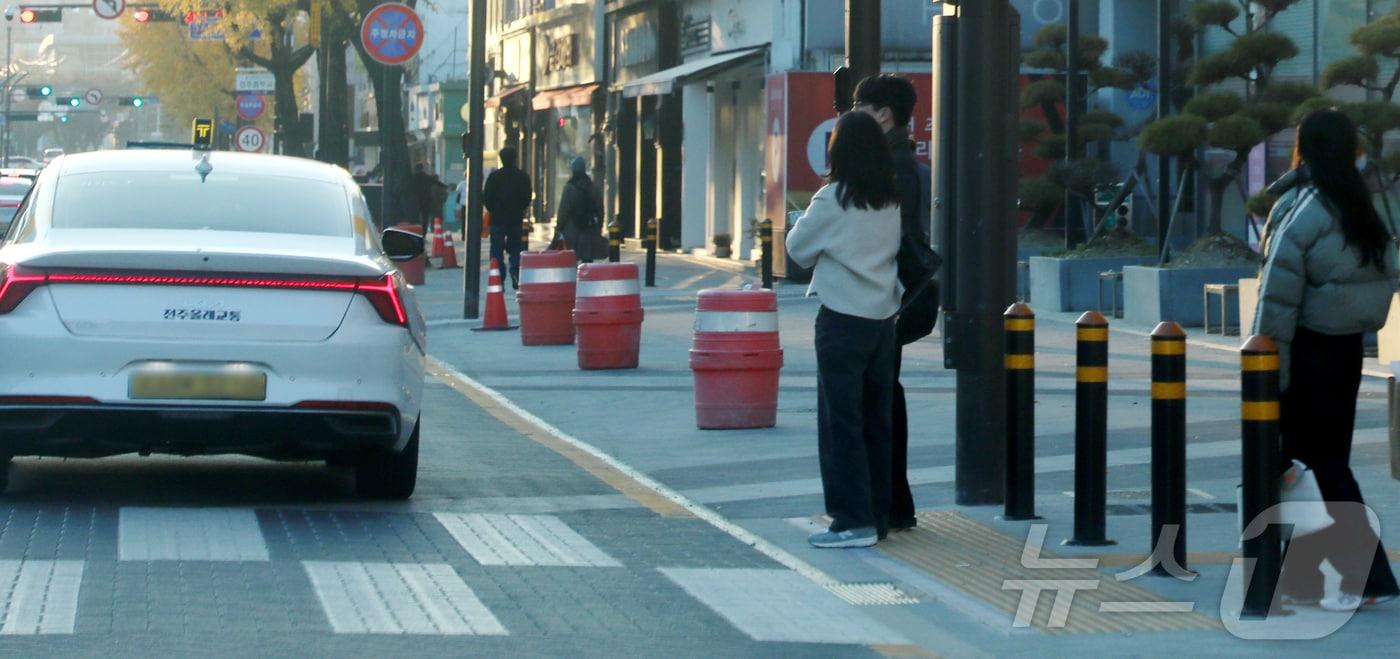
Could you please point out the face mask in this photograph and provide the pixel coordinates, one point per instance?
(1361, 163)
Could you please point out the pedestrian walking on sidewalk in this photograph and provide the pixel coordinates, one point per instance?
(580, 212)
(507, 195)
(1329, 274)
(849, 236)
(890, 100)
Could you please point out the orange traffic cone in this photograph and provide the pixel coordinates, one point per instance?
(449, 254)
(437, 238)
(495, 303)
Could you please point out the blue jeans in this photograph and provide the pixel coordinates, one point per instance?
(505, 241)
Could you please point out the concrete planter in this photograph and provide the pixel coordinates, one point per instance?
(1249, 300)
(1156, 294)
(1069, 284)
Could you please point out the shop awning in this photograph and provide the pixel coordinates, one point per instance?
(501, 96)
(564, 98)
(664, 82)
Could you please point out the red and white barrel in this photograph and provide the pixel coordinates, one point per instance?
(736, 358)
(608, 315)
(546, 298)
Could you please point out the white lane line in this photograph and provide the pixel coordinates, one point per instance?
(190, 534)
(494, 539)
(779, 605)
(39, 597)
(778, 554)
(399, 598)
(1049, 464)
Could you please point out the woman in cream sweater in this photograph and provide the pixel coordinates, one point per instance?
(850, 236)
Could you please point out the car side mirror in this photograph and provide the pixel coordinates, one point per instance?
(400, 245)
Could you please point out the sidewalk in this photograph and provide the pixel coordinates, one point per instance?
(957, 564)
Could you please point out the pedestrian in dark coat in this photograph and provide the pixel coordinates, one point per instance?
(890, 100)
(1328, 278)
(580, 212)
(507, 195)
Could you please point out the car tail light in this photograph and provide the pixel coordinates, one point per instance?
(15, 285)
(384, 294)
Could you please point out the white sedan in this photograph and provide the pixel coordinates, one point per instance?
(187, 302)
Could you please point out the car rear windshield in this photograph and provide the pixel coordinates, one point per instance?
(13, 188)
(222, 202)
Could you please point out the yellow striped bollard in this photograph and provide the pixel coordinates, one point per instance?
(1020, 412)
(765, 236)
(1168, 449)
(614, 241)
(1090, 430)
(1259, 453)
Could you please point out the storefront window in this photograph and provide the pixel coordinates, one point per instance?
(569, 131)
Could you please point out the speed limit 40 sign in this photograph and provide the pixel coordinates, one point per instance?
(250, 138)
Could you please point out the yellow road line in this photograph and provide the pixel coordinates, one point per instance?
(601, 470)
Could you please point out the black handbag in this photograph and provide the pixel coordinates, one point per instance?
(918, 271)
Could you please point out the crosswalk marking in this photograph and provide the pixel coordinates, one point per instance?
(494, 539)
(190, 534)
(780, 605)
(39, 597)
(399, 598)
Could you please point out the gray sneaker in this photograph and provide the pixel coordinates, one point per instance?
(861, 537)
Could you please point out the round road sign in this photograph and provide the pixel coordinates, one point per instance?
(392, 33)
(250, 106)
(108, 9)
(93, 96)
(250, 138)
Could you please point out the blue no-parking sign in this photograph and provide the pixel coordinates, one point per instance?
(392, 33)
(250, 106)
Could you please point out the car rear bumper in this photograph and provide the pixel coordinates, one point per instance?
(98, 430)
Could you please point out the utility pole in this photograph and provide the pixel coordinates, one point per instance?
(474, 140)
(1164, 110)
(9, 76)
(1074, 97)
(974, 197)
(862, 39)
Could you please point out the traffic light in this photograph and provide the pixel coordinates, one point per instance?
(40, 92)
(131, 101)
(142, 15)
(63, 118)
(70, 101)
(40, 14)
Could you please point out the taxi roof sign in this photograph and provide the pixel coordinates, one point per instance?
(202, 133)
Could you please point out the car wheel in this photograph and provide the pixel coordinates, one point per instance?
(389, 475)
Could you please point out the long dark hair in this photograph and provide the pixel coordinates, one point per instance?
(861, 163)
(1327, 145)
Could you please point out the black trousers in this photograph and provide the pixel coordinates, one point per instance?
(901, 496)
(1316, 416)
(855, 385)
(505, 241)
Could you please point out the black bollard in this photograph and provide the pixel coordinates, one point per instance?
(1020, 412)
(1168, 448)
(1090, 431)
(1259, 455)
(614, 241)
(651, 240)
(765, 236)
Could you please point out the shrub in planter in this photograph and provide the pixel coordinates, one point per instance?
(722, 245)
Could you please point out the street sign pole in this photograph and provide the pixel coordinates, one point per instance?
(476, 120)
(1164, 110)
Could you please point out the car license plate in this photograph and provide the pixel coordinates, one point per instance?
(199, 385)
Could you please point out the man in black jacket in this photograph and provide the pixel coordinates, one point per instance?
(890, 99)
(507, 196)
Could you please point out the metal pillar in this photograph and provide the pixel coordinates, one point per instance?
(1074, 97)
(476, 120)
(1164, 109)
(862, 39)
(984, 241)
